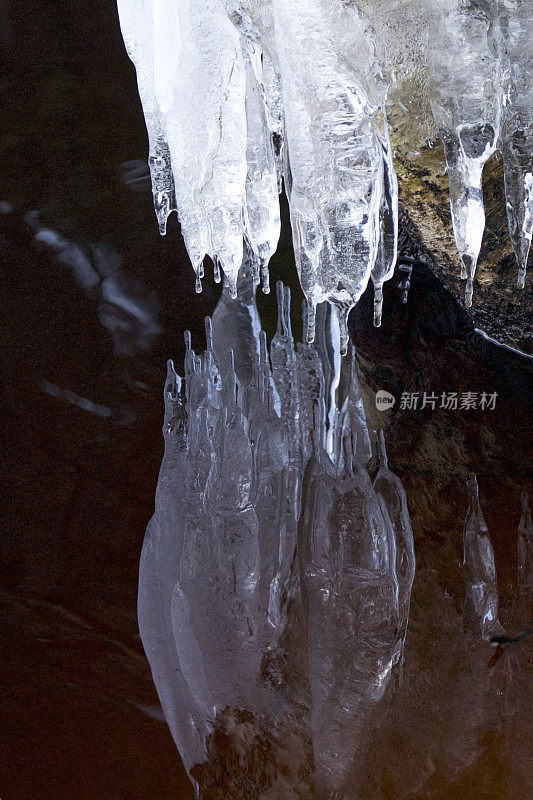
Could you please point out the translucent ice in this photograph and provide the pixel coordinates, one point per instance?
(479, 571)
(389, 486)
(269, 543)
(383, 268)
(466, 102)
(230, 105)
(146, 30)
(261, 210)
(242, 97)
(336, 133)
(159, 574)
(347, 563)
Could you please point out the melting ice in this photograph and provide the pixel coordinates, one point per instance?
(240, 95)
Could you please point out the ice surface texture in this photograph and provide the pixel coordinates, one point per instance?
(268, 535)
(240, 95)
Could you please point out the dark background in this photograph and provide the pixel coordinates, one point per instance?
(77, 487)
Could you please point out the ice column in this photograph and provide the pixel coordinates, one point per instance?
(466, 102)
(336, 138)
(389, 486)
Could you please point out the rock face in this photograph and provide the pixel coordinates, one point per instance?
(499, 307)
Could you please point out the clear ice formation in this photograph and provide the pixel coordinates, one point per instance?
(269, 535)
(482, 100)
(467, 104)
(479, 571)
(242, 95)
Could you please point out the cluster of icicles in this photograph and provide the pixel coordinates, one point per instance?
(271, 545)
(242, 95)
(268, 532)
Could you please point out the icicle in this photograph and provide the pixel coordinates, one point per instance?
(255, 270)
(232, 286)
(275, 114)
(334, 150)
(261, 211)
(309, 329)
(265, 278)
(466, 103)
(216, 270)
(162, 183)
(342, 311)
(479, 571)
(383, 269)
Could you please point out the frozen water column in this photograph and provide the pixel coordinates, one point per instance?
(336, 135)
(466, 102)
(517, 129)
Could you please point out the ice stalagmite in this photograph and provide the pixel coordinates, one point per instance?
(158, 575)
(389, 486)
(466, 103)
(311, 391)
(352, 418)
(263, 541)
(479, 571)
(525, 565)
(335, 131)
(215, 604)
(347, 565)
(236, 327)
(517, 129)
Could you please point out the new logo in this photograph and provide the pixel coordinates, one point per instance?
(384, 400)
